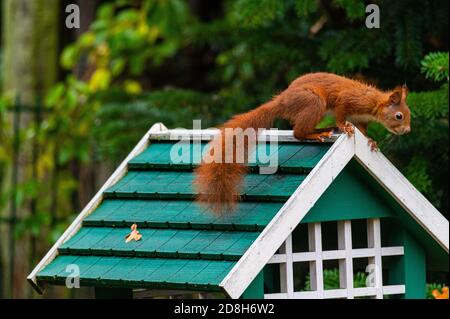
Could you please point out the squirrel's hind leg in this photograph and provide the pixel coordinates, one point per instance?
(312, 108)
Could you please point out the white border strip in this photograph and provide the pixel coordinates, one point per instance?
(208, 134)
(91, 206)
(340, 254)
(340, 293)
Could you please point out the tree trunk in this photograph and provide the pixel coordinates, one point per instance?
(30, 53)
(30, 38)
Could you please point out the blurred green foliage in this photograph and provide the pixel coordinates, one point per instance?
(4, 155)
(431, 287)
(173, 61)
(253, 49)
(331, 280)
(435, 66)
(423, 154)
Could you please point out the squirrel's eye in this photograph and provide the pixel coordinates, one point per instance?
(399, 116)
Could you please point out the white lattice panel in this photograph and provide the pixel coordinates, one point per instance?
(344, 255)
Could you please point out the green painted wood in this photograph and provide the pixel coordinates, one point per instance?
(107, 208)
(213, 274)
(186, 155)
(151, 273)
(150, 243)
(275, 187)
(163, 184)
(80, 235)
(437, 257)
(410, 269)
(166, 270)
(122, 270)
(56, 267)
(190, 270)
(307, 156)
(138, 274)
(223, 242)
(185, 246)
(355, 194)
(256, 289)
(348, 197)
(99, 268)
(271, 278)
(241, 245)
(84, 239)
(169, 243)
(114, 243)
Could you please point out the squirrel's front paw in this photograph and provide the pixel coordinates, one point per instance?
(373, 145)
(348, 129)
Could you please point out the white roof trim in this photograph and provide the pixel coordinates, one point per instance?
(403, 191)
(208, 134)
(310, 190)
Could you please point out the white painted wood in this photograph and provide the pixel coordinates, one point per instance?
(340, 293)
(394, 290)
(365, 292)
(289, 267)
(283, 270)
(345, 255)
(346, 264)
(209, 134)
(402, 191)
(316, 265)
(374, 242)
(275, 296)
(335, 293)
(158, 128)
(292, 212)
(286, 267)
(337, 254)
(304, 256)
(386, 290)
(370, 252)
(333, 254)
(296, 295)
(392, 251)
(277, 259)
(90, 207)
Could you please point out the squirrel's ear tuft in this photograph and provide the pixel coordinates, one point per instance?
(395, 97)
(405, 90)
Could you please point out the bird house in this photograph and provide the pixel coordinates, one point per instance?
(333, 220)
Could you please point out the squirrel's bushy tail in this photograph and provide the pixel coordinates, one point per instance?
(219, 177)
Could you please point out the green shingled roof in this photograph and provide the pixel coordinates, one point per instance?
(184, 246)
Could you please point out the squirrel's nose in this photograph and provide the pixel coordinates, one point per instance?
(407, 129)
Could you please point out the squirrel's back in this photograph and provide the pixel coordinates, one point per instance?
(303, 103)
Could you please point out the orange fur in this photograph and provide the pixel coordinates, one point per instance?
(218, 183)
(304, 103)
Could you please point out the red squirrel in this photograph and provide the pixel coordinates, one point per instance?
(304, 103)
